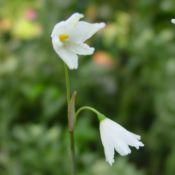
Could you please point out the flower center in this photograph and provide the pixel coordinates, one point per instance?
(63, 37)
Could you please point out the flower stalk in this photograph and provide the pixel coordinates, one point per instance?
(71, 119)
(72, 147)
(67, 79)
(99, 115)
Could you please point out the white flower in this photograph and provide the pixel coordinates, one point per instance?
(173, 21)
(68, 38)
(115, 137)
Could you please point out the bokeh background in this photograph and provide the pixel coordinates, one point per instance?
(130, 78)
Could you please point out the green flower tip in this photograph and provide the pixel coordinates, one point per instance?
(101, 117)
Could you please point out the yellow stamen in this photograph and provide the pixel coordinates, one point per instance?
(63, 37)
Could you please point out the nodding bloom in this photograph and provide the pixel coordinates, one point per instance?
(173, 21)
(68, 38)
(115, 137)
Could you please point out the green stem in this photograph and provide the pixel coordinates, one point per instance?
(99, 115)
(71, 133)
(67, 83)
(72, 147)
(86, 108)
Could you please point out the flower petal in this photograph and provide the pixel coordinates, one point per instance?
(173, 21)
(116, 138)
(59, 28)
(127, 136)
(133, 140)
(81, 48)
(73, 19)
(64, 27)
(109, 154)
(107, 143)
(56, 42)
(121, 147)
(69, 57)
(85, 30)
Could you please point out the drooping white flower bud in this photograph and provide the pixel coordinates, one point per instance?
(115, 137)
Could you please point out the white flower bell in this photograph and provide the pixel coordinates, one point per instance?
(68, 39)
(115, 137)
(173, 21)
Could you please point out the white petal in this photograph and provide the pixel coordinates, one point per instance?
(69, 57)
(60, 28)
(109, 154)
(56, 42)
(173, 21)
(127, 136)
(73, 19)
(133, 139)
(107, 143)
(65, 27)
(116, 138)
(121, 147)
(85, 30)
(81, 48)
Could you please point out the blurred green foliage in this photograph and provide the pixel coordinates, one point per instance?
(130, 79)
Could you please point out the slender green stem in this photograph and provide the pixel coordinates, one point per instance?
(72, 147)
(67, 83)
(71, 133)
(86, 108)
(100, 116)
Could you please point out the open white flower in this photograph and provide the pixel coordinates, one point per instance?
(68, 38)
(115, 137)
(173, 21)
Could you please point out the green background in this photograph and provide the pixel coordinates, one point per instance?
(130, 78)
